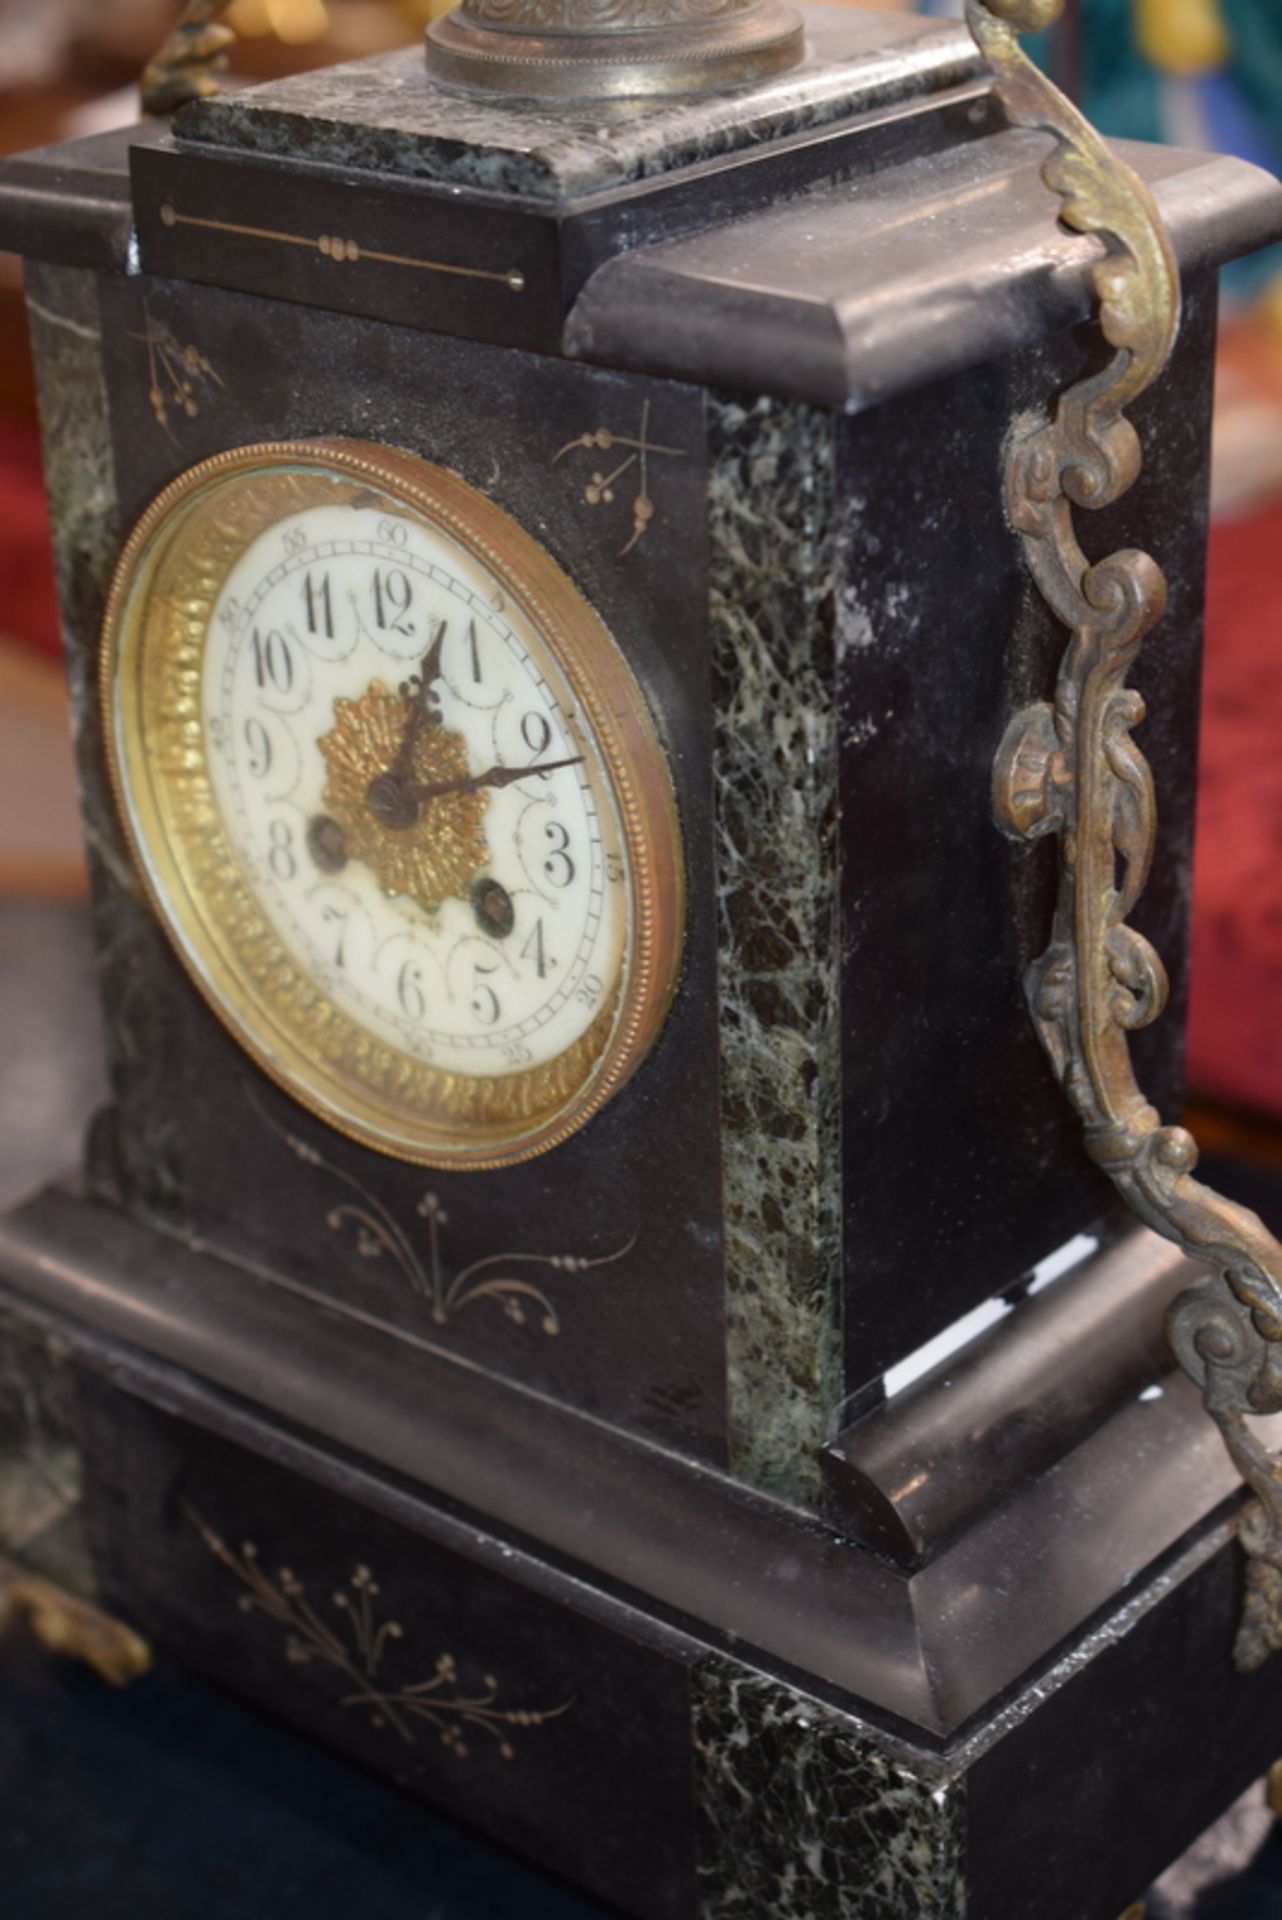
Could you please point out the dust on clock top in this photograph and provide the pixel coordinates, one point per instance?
(385, 115)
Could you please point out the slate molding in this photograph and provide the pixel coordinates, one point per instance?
(890, 287)
(934, 1651)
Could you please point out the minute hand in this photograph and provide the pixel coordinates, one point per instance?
(494, 777)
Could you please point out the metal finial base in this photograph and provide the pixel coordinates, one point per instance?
(593, 50)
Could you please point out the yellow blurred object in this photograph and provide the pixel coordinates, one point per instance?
(1271, 308)
(294, 22)
(1184, 37)
(248, 18)
(297, 21)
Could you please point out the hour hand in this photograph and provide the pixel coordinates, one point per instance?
(424, 705)
(389, 795)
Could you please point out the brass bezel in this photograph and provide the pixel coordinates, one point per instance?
(160, 777)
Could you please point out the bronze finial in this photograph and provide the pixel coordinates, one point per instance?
(66, 1624)
(612, 49)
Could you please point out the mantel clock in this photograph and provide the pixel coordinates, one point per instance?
(588, 564)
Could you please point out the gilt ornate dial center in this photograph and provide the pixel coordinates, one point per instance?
(439, 853)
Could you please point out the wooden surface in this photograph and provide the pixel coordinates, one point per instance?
(40, 850)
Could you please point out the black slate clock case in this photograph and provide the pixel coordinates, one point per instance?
(656, 1581)
(210, 1162)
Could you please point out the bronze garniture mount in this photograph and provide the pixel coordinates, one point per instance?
(1070, 767)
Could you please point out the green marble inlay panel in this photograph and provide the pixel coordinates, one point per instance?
(804, 1814)
(84, 510)
(63, 308)
(771, 582)
(66, 337)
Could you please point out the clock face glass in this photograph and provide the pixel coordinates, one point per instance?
(448, 865)
(396, 795)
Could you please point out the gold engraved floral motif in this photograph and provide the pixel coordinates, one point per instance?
(435, 860)
(357, 1649)
(639, 449)
(379, 1235)
(341, 249)
(176, 373)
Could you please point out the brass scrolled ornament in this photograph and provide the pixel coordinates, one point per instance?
(190, 64)
(1070, 767)
(66, 1624)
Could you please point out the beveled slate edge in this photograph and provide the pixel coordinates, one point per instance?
(1047, 1565)
(69, 204)
(1218, 1535)
(624, 1507)
(919, 1470)
(930, 1653)
(558, 245)
(183, 1395)
(953, 302)
(382, 114)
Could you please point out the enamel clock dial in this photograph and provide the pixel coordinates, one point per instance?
(395, 795)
